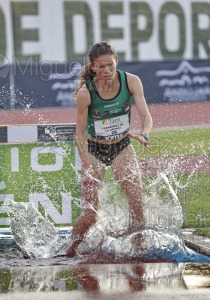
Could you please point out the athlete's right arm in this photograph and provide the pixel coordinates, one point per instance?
(83, 101)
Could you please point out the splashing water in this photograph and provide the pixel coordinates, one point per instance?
(160, 240)
(33, 233)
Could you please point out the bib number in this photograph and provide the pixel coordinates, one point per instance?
(112, 128)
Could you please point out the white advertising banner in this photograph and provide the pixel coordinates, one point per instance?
(60, 30)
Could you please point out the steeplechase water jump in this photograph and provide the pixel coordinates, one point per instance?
(104, 149)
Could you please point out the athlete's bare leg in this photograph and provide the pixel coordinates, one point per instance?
(91, 183)
(127, 172)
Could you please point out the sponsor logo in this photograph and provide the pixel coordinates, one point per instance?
(126, 106)
(185, 83)
(96, 114)
(47, 133)
(106, 113)
(105, 122)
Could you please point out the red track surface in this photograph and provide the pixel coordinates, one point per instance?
(164, 115)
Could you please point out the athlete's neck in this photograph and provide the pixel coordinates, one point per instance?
(107, 85)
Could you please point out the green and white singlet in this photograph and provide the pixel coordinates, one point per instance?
(109, 119)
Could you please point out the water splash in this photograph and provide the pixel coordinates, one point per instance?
(160, 240)
(33, 233)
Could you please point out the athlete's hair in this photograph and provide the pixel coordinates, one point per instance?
(98, 49)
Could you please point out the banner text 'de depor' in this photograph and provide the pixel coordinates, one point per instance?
(139, 30)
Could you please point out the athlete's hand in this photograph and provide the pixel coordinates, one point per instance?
(141, 140)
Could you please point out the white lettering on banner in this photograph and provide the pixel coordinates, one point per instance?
(3, 209)
(57, 166)
(2, 185)
(65, 217)
(159, 29)
(51, 210)
(14, 159)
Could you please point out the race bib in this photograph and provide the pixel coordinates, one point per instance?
(112, 128)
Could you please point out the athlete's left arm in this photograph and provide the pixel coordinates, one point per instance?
(136, 89)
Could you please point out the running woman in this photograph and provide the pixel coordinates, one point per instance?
(103, 99)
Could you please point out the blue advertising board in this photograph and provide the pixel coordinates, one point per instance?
(51, 84)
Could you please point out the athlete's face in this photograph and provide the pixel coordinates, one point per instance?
(105, 67)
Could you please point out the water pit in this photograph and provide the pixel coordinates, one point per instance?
(155, 261)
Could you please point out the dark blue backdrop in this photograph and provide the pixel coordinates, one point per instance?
(50, 84)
